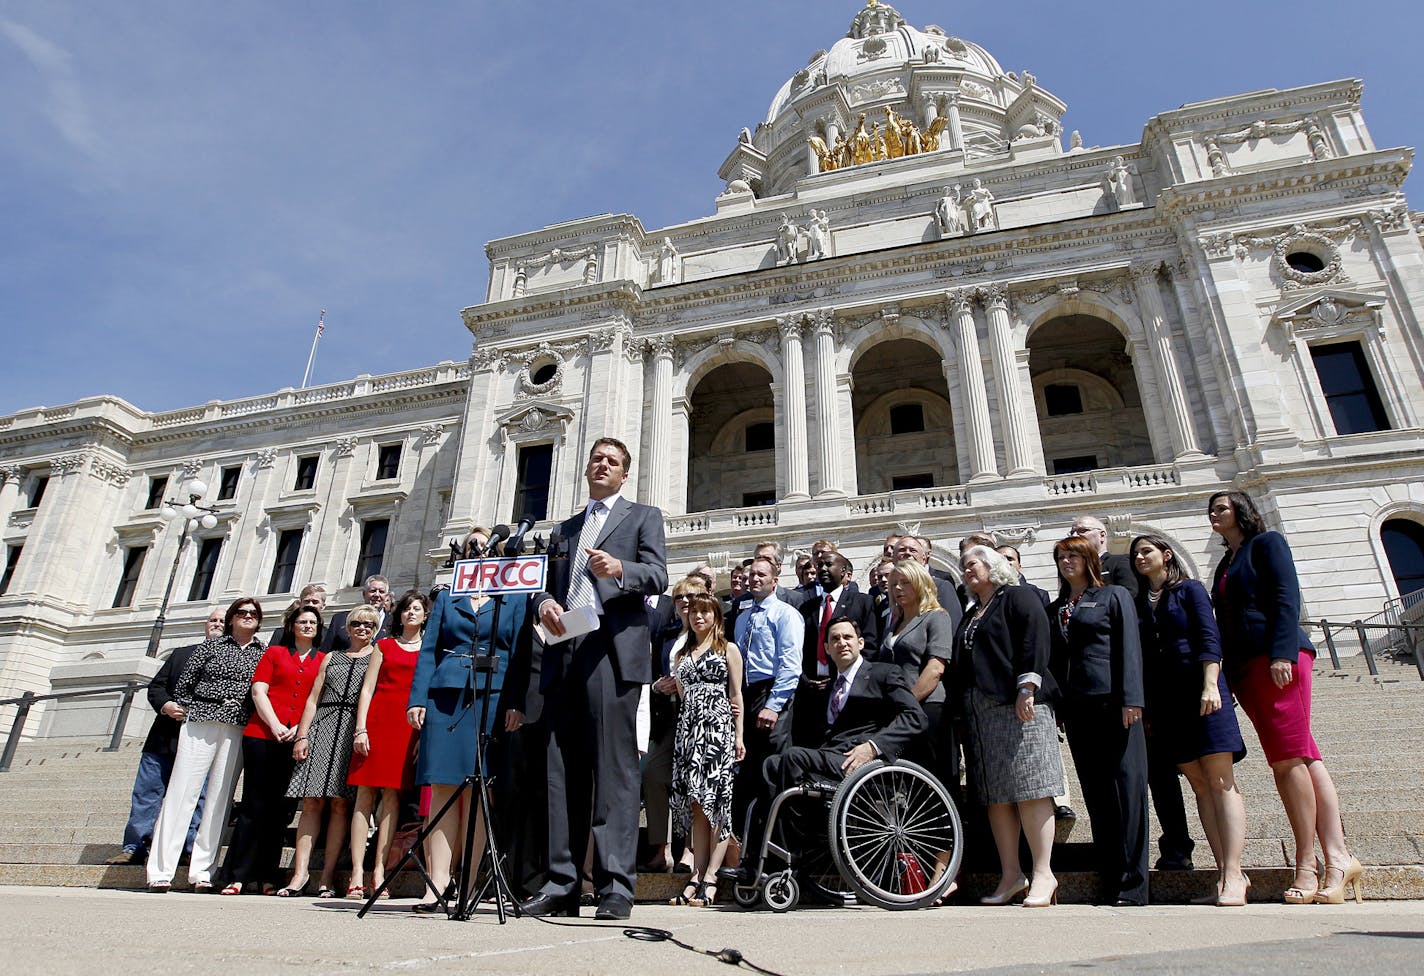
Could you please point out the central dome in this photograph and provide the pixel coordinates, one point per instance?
(885, 63)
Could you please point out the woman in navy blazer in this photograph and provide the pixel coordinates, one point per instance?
(1097, 661)
(1189, 714)
(447, 715)
(1268, 662)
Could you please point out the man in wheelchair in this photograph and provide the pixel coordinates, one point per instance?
(871, 714)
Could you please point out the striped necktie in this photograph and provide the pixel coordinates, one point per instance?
(581, 585)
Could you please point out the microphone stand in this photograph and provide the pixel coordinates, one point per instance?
(475, 790)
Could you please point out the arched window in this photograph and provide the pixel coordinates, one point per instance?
(1404, 545)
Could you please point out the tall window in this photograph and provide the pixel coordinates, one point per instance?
(37, 486)
(227, 486)
(284, 569)
(207, 567)
(12, 559)
(388, 462)
(1404, 545)
(531, 494)
(306, 474)
(1062, 399)
(1349, 389)
(157, 488)
(373, 549)
(128, 582)
(907, 418)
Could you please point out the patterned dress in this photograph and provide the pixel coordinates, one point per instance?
(323, 772)
(704, 748)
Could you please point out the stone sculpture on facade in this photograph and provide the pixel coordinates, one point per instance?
(820, 236)
(667, 263)
(1117, 185)
(981, 208)
(949, 213)
(788, 241)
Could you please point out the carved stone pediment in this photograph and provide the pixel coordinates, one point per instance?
(1329, 312)
(537, 418)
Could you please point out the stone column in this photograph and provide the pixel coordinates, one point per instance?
(833, 131)
(824, 349)
(1216, 389)
(10, 477)
(659, 460)
(1018, 454)
(1159, 340)
(982, 465)
(956, 128)
(793, 400)
(930, 110)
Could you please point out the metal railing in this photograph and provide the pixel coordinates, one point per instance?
(25, 702)
(1377, 638)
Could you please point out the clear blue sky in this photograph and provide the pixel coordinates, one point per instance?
(183, 186)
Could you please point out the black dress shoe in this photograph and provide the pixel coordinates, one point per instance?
(1061, 812)
(545, 906)
(741, 876)
(1173, 864)
(612, 907)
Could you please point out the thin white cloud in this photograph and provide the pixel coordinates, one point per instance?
(65, 108)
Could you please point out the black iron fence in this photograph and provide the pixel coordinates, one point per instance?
(25, 702)
(1377, 638)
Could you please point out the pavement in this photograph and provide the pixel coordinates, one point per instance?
(68, 930)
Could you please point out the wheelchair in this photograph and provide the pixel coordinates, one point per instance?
(892, 840)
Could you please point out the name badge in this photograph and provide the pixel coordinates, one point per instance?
(1085, 605)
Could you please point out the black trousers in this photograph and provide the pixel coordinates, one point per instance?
(1165, 784)
(522, 813)
(592, 755)
(255, 852)
(1112, 772)
(750, 785)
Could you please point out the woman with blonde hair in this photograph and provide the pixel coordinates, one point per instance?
(922, 644)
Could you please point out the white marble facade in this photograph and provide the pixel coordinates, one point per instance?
(911, 341)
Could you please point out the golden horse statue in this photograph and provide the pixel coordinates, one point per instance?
(824, 155)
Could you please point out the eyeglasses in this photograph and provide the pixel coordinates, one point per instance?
(246, 612)
(363, 624)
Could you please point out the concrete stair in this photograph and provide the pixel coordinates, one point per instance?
(65, 803)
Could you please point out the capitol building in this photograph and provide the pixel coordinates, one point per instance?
(918, 301)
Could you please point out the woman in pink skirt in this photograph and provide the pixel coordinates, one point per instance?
(1268, 660)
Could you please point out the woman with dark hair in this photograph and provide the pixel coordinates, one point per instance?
(708, 672)
(446, 714)
(215, 688)
(322, 747)
(1189, 713)
(1097, 661)
(280, 687)
(1006, 700)
(382, 761)
(1268, 662)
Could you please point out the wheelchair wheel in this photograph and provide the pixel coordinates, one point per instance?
(895, 835)
(746, 897)
(780, 892)
(820, 878)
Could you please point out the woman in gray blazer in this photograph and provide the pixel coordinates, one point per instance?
(921, 644)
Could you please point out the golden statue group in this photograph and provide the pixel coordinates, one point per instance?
(901, 137)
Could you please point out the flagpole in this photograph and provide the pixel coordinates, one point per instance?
(311, 357)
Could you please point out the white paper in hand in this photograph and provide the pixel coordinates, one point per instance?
(577, 622)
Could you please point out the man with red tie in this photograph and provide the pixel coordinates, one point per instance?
(839, 599)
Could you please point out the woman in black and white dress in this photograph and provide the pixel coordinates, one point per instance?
(324, 740)
(707, 673)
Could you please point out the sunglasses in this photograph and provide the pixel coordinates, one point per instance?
(363, 624)
(246, 613)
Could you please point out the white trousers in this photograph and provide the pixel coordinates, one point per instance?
(208, 752)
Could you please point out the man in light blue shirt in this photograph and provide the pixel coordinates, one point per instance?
(769, 633)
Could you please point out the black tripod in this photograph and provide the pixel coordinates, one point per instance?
(475, 788)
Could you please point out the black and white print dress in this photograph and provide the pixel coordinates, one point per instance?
(323, 772)
(704, 748)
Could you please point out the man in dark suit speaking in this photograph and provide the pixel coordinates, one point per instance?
(605, 559)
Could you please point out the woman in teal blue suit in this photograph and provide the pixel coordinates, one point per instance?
(447, 715)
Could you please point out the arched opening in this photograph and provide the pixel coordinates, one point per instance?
(904, 431)
(1089, 408)
(1404, 546)
(731, 439)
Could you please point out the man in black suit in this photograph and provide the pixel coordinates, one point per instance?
(155, 762)
(607, 558)
(377, 592)
(833, 574)
(871, 713)
(1175, 845)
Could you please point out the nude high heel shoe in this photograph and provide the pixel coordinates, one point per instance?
(1296, 895)
(1349, 878)
(1052, 899)
(1009, 894)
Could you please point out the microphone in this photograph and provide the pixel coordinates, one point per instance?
(500, 533)
(515, 546)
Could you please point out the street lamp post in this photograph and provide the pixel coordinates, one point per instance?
(192, 514)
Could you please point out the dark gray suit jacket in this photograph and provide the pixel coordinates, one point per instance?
(928, 635)
(632, 533)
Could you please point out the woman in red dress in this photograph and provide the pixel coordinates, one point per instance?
(382, 763)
